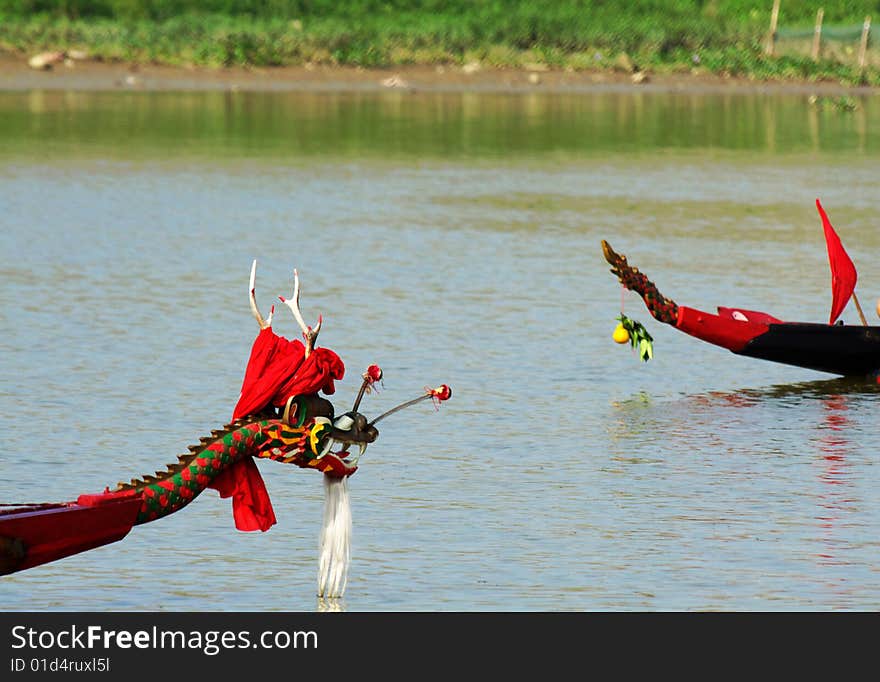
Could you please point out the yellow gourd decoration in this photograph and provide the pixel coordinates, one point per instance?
(635, 333)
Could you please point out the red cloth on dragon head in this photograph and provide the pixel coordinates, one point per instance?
(277, 369)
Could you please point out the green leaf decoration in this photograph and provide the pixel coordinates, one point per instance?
(639, 338)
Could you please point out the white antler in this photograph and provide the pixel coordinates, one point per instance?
(309, 333)
(264, 323)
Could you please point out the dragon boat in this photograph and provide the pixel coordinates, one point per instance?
(279, 416)
(834, 348)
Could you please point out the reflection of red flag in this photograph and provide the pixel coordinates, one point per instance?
(843, 272)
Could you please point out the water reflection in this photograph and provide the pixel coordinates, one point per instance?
(836, 495)
(458, 124)
(330, 605)
(821, 389)
(761, 464)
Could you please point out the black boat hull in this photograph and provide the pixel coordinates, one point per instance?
(845, 350)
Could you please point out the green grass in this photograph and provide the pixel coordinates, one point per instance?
(724, 37)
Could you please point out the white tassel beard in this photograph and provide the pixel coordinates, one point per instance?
(335, 542)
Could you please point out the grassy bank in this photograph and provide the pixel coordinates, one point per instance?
(647, 35)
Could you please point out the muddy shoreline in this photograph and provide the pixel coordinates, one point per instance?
(85, 75)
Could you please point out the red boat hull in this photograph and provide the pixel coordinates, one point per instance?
(36, 534)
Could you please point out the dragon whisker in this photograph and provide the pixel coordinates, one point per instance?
(408, 403)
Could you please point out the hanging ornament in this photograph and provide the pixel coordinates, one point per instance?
(638, 337)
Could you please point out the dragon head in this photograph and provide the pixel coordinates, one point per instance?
(310, 435)
(308, 428)
(334, 445)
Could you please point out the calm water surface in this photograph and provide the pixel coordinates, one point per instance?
(450, 238)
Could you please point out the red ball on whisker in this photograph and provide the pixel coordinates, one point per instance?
(441, 393)
(373, 373)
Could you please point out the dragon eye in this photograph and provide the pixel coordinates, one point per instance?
(344, 423)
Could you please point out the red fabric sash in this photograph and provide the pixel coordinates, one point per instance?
(277, 369)
(251, 507)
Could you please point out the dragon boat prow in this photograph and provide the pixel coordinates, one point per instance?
(844, 350)
(280, 416)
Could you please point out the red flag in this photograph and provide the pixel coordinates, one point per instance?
(843, 272)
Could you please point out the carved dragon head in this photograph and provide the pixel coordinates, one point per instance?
(310, 435)
(335, 443)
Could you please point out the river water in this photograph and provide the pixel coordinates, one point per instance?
(451, 238)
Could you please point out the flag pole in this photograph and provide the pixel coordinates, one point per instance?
(859, 308)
